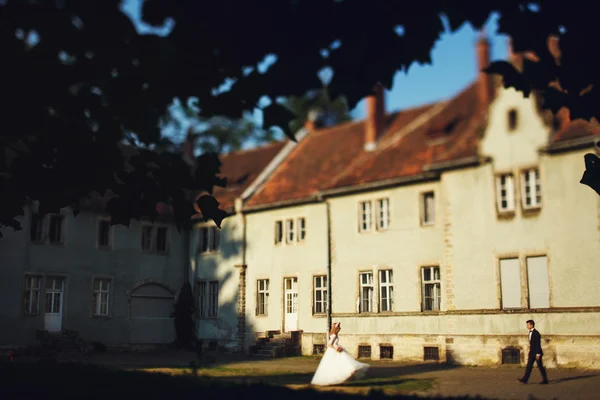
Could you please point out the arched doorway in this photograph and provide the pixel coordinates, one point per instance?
(150, 307)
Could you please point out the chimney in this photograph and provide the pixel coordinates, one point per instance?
(374, 124)
(554, 48)
(312, 120)
(485, 84)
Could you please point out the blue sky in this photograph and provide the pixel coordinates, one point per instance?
(453, 68)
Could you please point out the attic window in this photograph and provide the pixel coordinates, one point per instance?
(512, 119)
(444, 129)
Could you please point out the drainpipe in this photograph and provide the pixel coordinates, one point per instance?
(329, 251)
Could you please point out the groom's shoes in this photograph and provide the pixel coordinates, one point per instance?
(521, 381)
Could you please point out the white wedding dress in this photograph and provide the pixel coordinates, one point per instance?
(337, 367)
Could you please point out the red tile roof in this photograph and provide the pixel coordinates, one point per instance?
(413, 141)
(414, 138)
(241, 168)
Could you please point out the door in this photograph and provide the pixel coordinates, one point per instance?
(291, 304)
(54, 304)
(151, 306)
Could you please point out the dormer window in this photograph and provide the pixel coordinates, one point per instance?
(512, 119)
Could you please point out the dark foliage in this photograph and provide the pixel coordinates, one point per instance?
(184, 318)
(90, 80)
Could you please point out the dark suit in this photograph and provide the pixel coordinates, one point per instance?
(535, 349)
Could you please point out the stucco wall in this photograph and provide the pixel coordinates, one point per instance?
(303, 260)
(222, 266)
(79, 260)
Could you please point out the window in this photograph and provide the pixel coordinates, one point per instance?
(290, 232)
(147, 232)
(386, 352)
(427, 208)
(278, 232)
(155, 239)
(208, 239)
(511, 355)
(318, 349)
(531, 189)
(104, 234)
(431, 354)
(32, 294)
(202, 299)
(162, 244)
(101, 299)
(37, 228)
(301, 229)
(320, 293)
(512, 119)
(505, 192)
(366, 217)
(383, 214)
(432, 288)
(213, 298)
(366, 292)
(54, 223)
(262, 297)
(539, 286)
(510, 283)
(364, 351)
(208, 299)
(55, 233)
(386, 291)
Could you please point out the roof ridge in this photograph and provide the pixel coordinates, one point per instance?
(254, 149)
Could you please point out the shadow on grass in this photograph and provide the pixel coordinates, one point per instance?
(77, 381)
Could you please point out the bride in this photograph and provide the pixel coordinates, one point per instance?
(337, 365)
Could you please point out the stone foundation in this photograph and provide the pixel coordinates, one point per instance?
(476, 350)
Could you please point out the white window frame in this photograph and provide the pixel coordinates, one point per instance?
(427, 208)
(505, 192)
(535, 189)
(382, 213)
(367, 290)
(103, 292)
(290, 230)
(301, 225)
(386, 281)
(365, 216)
(212, 241)
(436, 284)
(28, 296)
(147, 239)
(320, 286)
(262, 297)
(279, 232)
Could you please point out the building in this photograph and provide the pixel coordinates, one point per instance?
(434, 233)
(78, 275)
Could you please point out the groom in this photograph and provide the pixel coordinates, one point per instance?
(535, 354)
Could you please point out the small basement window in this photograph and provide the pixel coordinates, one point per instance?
(386, 352)
(511, 356)
(318, 349)
(364, 351)
(513, 119)
(431, 354)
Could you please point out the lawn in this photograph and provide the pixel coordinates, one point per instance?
(237, 380)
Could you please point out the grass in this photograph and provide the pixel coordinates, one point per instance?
(298, 379)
